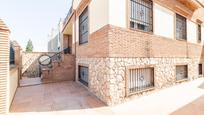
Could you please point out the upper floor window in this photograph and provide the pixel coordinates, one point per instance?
(199, 33)
(181, 27)
(141, 15)
(83, 27)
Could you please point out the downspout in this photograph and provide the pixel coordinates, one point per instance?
(75, 43)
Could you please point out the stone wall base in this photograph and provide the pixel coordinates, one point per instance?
(107, 76)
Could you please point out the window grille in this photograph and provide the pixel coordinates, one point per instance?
(83, 75)
(181, 27)
(141, 15)
(200, 69)
(199, 32)
(140, 79)
(83, 27)
(181, 72)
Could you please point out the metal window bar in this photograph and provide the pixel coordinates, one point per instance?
(83, 27)
(83, 75)
(199, 32)
(140, 79)
(141, 15)
(181, 32)
(181, 72)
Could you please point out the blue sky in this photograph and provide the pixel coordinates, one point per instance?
(33, 19)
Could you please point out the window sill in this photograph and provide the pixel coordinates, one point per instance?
(182, 80)
(141, 91)
(184, 40)
(201, 75)
(199, 41)
(83, 43)
(138, 30)
(12, 66)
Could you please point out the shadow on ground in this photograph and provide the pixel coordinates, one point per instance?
(196, 107)
(54, 97)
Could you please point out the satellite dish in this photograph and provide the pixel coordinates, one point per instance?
(45, 60)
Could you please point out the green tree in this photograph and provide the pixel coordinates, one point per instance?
(29, 47)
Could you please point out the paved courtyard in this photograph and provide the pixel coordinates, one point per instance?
(69, 98)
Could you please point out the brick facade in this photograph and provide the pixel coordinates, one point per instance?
(127, 48)
(112, 50)
(4, 67)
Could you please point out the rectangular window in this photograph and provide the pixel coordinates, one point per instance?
(83, 27)
(181, 72)
(200, 69)
(140, 79)
(83, 75)
(199, 33)
(181, 27)
(141, 15)
(12, 55)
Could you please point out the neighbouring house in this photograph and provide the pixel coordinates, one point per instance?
(126, 47)
(56, 38)
(10, 68)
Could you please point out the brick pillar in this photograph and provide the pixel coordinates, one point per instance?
(18, 58)
(4, 68)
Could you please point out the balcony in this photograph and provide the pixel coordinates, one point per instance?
(68, 16)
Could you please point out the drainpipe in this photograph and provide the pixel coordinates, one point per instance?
(75, 44)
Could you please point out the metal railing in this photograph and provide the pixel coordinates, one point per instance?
(140, 79)
(57, 56)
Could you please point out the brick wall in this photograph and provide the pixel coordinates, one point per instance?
(4, 67)
(111, 41)
(132, 43)
(97, 45)
(61, 71)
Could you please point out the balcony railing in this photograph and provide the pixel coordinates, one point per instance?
(68, 16)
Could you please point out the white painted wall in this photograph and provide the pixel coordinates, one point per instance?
(117, 13)
(103, 12)
(163, 21)
(98, 14)
(13, 83)
(202, 34)
(191, 32)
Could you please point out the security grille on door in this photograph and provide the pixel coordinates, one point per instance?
(181, 72)
(140, 79)
(83, 75)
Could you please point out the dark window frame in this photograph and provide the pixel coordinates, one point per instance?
(86, 83)
(135, 85)
(185, 77)
(200, 69)
(141, 15)
(11, 55)
(199, 33)
(83, 22)
(181, 31)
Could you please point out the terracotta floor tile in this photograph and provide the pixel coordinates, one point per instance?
(52, 97)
